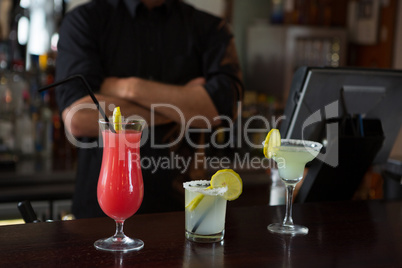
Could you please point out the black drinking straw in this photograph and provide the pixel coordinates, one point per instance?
(197, 224)
(87, 87)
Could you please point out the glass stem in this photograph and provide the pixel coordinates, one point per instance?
(119, 230)
(288, 220)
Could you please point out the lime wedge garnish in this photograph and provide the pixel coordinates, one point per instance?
(272, 141)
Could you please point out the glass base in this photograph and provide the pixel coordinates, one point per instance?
(279, 228)
(210, 238)
(119, 244)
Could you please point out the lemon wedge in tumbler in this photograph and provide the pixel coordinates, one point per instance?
(117, 119)
(230, 179)
(194, 203)
(272, 141)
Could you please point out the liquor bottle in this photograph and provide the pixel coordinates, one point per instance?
(7, 122)
(41, 112)
(24, 129)
(18, 36)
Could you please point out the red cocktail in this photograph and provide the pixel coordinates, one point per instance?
(120, 185)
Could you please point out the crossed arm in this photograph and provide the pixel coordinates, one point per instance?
(136, 96)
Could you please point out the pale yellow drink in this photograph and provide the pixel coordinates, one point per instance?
(291, 161)
(205, 221)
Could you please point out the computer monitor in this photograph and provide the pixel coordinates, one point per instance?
(320, 99)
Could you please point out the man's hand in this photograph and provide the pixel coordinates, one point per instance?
(81, 117)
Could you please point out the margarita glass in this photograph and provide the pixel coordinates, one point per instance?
(120, 185)
(291, 158)
(205, 218)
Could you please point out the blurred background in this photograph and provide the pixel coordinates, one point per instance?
(273, 38)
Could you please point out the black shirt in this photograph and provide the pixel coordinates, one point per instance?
(173, 44)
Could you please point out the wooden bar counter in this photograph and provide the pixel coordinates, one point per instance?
(346, 234)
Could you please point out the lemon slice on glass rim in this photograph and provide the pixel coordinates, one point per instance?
(225, 182)
(230, 179)
(272, 141)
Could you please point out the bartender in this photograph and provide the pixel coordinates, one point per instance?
(162, 60)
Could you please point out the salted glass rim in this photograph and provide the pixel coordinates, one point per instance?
(191, 186)
(311, 145)
(305, 143)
